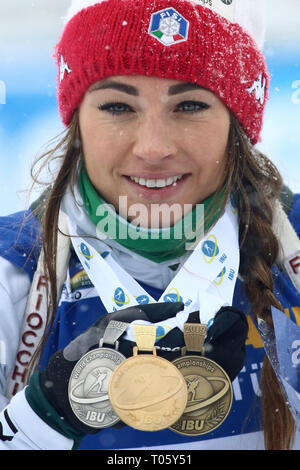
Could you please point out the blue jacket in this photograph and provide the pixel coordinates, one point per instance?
(81, 306)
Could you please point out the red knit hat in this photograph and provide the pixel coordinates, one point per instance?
(175, 39)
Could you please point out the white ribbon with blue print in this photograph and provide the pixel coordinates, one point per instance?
(206, 281)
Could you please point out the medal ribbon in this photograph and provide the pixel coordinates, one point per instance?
(205, 283)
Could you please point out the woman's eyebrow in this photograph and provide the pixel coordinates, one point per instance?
(183, 87)
(131, 90)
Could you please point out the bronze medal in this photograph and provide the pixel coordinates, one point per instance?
(146, 391)
(209, 387)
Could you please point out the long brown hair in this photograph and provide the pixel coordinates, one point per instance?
(256, 184)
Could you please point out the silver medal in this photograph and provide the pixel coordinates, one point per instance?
(88, 384)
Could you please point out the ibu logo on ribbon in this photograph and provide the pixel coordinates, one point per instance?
(143, 299)
(85, 251)
(169, 27)
(120, 297)
(220, 277)
(172, 296)
(233, 202)
(210, 249)
(162, 331)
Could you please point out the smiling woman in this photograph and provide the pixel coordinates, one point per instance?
(154, 141)
(163, 104)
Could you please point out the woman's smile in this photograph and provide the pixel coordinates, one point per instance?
(157, 188)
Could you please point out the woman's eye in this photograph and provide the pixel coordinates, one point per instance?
(115, 108)
(192, 107)
(189, 107)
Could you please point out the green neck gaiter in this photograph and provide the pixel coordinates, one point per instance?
(157, 245)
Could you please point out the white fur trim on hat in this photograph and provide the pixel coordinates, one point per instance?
(78, 5)
(250, 14)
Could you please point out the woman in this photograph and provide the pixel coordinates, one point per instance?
(163, 103)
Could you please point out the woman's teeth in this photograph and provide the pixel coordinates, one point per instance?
(159, 183)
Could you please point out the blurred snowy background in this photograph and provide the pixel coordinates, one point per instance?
(28, 115)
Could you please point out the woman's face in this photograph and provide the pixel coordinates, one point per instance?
(154, 141)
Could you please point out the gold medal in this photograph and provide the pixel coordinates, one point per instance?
(209, 387)
(146, 391)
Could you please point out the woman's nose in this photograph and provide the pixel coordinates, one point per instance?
(154, 141)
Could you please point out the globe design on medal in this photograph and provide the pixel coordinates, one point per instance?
(209, 396)
(147, 392)
(200, 391)
(88, 387)
(96, 382)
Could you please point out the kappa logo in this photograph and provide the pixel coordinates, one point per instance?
(63, 67)
(169, 27)
(259, 87)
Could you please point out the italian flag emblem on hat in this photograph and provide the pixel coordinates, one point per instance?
(168, 26)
